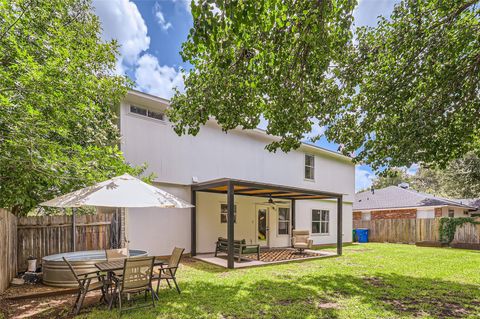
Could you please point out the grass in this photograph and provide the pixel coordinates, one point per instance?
(369, 281)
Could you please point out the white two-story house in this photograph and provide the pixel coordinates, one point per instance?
(272, 193)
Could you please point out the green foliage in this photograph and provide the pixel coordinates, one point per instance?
(58, 95)
(391, 177)
(417, 76)
(448, 227)
(263, 58)
(368, 281)
(460, 178)
(406, 91)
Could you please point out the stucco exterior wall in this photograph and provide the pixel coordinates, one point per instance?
(209, 226)
(159, 230)
(177, 162)
(304, 220)
(214, 154)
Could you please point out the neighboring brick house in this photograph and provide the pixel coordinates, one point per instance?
(395, 202)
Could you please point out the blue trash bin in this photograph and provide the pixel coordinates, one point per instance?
(362, 235)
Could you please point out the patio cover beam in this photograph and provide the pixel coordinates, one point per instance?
(193, 224)
(339, 225)
(210, 186)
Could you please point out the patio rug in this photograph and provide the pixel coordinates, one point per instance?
(281, 254)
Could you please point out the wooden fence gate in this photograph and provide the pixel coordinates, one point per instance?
(8, 248)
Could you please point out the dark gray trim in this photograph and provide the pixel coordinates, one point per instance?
(206, 186)
(339, 225)
(293, 213)
(193, 224)
(230, 224)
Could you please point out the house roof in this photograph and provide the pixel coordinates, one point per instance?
(397, 197)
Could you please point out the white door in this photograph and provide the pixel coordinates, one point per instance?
(263, 230)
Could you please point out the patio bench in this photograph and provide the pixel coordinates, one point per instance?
(240, 248)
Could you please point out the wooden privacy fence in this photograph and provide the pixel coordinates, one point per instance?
(41, 236)
(415, 230)
(8, 248)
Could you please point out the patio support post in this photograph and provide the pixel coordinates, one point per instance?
(74, 229)
(339, 224)
(230, 223)
(193, 224)
(293, 214)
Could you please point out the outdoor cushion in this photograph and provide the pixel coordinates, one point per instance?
(250, 250)
(301, 239)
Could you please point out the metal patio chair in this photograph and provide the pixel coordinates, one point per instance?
(85, 285)
(169, 271)
(136, 278)
(116, 254)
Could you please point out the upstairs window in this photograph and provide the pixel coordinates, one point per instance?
(309, 167)
(146, 112)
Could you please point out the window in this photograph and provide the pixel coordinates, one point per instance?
(145, 112)
(309, 167)
(224, 213)
(320, 221)
(451, 213)
(283, 221)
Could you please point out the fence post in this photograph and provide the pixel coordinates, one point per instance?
(74, 229)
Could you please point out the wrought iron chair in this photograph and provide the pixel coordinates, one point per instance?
(169, 272)
(136, 278)
(85, 285)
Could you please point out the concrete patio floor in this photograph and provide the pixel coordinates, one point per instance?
(251, 261)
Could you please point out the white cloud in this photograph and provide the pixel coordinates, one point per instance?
(185, 4)
(157, 10)
(122, 21)
(156, 79)
(363, 178)
(316, 131)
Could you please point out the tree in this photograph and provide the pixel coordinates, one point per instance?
(417, 78)
(460, 179)
(392, 177)
(58, 95)
(262, 58)
(406, 91)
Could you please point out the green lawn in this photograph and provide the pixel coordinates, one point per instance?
(369, 281)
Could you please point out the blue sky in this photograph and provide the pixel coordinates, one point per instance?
(151, 32)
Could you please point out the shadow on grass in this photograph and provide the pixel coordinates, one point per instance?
(318, 296)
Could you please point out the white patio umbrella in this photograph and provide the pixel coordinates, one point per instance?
(123, 191)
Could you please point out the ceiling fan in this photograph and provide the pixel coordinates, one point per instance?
(274, 202)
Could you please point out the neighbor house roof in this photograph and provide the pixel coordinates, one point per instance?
(397, 197)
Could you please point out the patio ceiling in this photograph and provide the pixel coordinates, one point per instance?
(258, 189)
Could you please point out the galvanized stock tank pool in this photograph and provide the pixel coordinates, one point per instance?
(57, 274)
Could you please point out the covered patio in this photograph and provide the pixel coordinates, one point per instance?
(232, 187)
